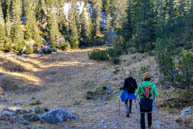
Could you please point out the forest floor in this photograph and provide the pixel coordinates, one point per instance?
(63, 79)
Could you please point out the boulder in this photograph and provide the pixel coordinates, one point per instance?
(17, 114)
(56, 116)
(185, 118)
(18, 103)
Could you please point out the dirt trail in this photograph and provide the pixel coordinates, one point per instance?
(63, 79)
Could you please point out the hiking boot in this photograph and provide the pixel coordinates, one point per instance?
(127, 115)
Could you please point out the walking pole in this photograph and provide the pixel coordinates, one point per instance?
(136, 113)
(157, 116)
(119, 107)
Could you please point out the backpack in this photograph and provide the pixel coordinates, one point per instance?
(146, 103)
(131, 88)
(146, 92)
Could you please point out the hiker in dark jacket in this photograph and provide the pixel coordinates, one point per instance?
(147, 92)
(129, 88)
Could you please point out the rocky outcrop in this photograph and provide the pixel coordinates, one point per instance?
(17, 114)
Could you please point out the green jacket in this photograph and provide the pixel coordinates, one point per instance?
(153, 91)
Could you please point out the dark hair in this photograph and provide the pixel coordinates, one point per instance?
(147, 79)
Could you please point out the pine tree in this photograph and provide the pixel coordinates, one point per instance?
(106, 5)
(15, 10)
(17, 35)
(144, 25)
(2, 28)
(74, 36)
(53, 33)
(40, 10)
(128, 25)
(97, 17)
(32, 30)
(85, 30)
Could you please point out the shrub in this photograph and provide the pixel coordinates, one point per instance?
(116, 61)
(185, 67)
(8, 47)
(101, 55)
(144, 69)
(177, 72)
(29, 49)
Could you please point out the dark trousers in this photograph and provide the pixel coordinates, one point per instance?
(130, 105)
(149, 116)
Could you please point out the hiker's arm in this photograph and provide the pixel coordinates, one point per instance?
(138, 91)
(124, 86)
(135, 84)
(155, 93)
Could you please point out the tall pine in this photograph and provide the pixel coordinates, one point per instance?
(85, 30)
(74, 36)
(53, 27)
(144, 25)
(32, 30)
(2, 28)
(17, 35)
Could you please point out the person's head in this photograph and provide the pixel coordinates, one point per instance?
(147, 76)
(128, 73)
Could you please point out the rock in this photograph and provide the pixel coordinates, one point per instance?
(40, 110)
(1, 92)
(77, 103)
(18, 103)
(185, 118)
(37, 102)
(56, 116)
(66, 127)
(13, 110)
(47, 50)
(2, 99)
(185, 110)
(108, 90)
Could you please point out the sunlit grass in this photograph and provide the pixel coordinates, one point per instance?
(24, 76)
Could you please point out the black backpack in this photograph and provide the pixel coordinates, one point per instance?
(131, 88)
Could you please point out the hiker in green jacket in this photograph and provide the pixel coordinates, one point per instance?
(147, 92)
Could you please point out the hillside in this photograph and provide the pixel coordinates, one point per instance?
(63, 79)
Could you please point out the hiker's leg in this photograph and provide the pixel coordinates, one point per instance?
(149, 119)
(142, 121)
(127, 108)
(130, 106)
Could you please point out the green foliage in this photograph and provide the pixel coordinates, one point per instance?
(29, 49)
(2, 36)
(32, 30)
(178, 73)
(101, 55)
(74, 36)
(86, 28)
(64, 46)
(186, 69)
(53, 34)
(144, 69)
(116, 61)
(111, 54)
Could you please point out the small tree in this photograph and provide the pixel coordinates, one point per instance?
(186, 70)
